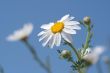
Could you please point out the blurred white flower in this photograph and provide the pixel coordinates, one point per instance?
(54, 32)
(94, 56)
(21, 33)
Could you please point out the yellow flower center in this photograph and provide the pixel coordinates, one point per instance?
(57, 27)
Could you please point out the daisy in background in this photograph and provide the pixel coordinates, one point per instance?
(94, 55)
(22, 33)
(53, 32)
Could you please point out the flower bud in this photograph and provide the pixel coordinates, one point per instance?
(87, 20)
(65, 54)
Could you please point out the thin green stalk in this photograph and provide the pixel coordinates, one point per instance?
(75, 51)
(88, 37)
(35, 56)
(78, 56)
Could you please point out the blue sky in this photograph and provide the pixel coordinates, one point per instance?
(14, 56)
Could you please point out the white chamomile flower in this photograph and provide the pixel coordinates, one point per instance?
(94, 55)
(54, 32)
(21, 33)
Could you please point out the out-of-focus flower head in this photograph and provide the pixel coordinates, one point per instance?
(22, 33)
(94, 56)
(53, 32)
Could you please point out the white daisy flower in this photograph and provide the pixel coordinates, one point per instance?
(21, 33)
(54, 32)
(94, 55)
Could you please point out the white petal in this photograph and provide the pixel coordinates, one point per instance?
(69, 31)
(47, 26)
(58, 39)
(50, 42)
(67, 37)
(27, 29)
(72, 27)
(64, 18)
(71, 23)
(44, 35)
(17, 35)
(11, 38)
(71, 18)
(53, 41)
(42, 32)
(47, 40)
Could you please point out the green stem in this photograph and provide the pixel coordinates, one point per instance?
(75, 51)
(35, 56)
(88, 37)
(78, 56)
